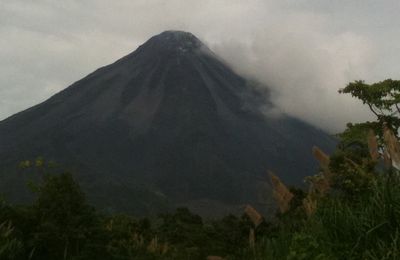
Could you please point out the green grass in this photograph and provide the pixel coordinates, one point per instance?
(366, 227)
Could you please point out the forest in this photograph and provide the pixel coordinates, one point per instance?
(350, 210)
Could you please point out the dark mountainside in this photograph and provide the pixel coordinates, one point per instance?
(167, 125)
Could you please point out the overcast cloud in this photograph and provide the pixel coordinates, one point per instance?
(303, 50)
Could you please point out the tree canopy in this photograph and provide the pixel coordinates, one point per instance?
(382, 98)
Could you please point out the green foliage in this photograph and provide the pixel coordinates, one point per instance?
(60, 225)
(355, 228)
(65, 221)
(351, 163)
(10, 246)
(382, 98)
(304, 247)
(353, 173)
(354, 138)
(341, 229)
(128, 237)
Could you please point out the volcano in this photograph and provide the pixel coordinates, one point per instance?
(168, 125)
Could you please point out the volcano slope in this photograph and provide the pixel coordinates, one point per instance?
(168, 125)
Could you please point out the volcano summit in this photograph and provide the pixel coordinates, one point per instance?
(167, 125)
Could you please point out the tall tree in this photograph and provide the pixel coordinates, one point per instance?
(65, 221)
(382, 98)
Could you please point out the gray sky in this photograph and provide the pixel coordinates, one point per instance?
(304, 50)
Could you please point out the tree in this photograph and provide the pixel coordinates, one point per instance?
(65, 221)
(382, 99)
(352, 164)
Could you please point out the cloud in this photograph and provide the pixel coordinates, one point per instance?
(305, 70)
(304, 51)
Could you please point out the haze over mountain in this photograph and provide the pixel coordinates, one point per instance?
(168, 125)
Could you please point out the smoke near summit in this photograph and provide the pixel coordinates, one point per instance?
(303, 50)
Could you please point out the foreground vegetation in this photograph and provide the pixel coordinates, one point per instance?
(60, 225)
(350, 211)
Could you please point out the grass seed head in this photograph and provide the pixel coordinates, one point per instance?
(281, 193)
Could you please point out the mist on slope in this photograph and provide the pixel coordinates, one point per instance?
(304, 51)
